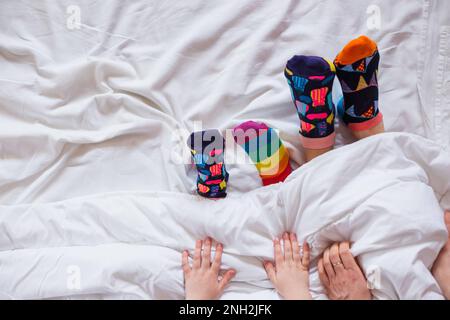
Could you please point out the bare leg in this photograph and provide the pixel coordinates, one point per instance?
(313, 153)
(310, 154)
(441, 267)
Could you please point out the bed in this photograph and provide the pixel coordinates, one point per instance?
(96, 100)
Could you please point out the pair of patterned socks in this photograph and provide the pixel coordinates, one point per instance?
(262, 145)
(311, 78)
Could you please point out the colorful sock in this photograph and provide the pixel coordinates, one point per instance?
(266, 150)
(311, 82)
(357, 70)
(207, 149)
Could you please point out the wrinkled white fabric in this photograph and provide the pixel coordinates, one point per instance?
(94, 109)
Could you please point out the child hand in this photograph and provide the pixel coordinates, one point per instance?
(202, 280)
(290, 276)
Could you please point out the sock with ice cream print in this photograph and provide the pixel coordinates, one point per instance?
(310, 80)
(207, 149)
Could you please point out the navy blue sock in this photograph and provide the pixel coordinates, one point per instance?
(207, 149)
(311, 79)
(357, 68)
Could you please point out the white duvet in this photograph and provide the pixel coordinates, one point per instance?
(92, 205)
(382, 194)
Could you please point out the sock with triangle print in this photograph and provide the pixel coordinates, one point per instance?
(357, 70)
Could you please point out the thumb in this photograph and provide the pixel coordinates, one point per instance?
(226, 278)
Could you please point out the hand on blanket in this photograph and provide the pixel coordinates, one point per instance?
(290, 275)
(202, 280)
(341, 275)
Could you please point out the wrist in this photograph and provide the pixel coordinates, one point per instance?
(199, 297)
(363, 295)
(446, 292)
(298, 296)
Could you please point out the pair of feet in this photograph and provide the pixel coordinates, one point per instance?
(339, 272)
(262, 144)
(310, 79)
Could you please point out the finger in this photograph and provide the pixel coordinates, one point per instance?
(306, 255)
(270, 270)
(295, 249)
(206, 256)
(226, 278)
(277, 251)
(185, 262)
(218, 257)
(335, 259)
(327, 264)
(346, 256)
(323, 275)
(287, 248)
(197, 254)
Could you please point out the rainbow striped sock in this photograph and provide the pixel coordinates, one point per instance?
(266, 150)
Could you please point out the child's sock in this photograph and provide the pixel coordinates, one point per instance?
(266, 150)
(207, 149)
(357, 69)
(311, 82)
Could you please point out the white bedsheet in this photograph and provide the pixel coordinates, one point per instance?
(89, 115)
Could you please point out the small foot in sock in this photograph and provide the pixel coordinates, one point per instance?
(265, 149)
